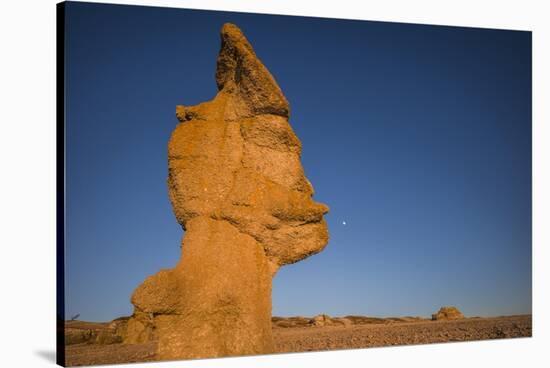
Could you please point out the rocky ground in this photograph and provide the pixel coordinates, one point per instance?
(92, 354)
(298, 334)
(400, 333)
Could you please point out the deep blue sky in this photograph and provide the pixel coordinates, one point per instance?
(418, 137)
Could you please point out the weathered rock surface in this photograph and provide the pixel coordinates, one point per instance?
(447, 313)
(238, 188)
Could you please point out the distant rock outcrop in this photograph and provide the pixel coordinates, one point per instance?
(79, 332)
(238, 188)
(321, 320)
(290, 322)
(447, 313)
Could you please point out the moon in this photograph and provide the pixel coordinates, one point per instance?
(344, 223)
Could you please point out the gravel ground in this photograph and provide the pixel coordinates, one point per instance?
(425, 332)
(92, 354)
(297, 339)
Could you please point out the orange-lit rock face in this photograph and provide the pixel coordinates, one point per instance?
(238, 188)
(247, 172)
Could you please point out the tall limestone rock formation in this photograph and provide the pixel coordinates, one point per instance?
(238, 189)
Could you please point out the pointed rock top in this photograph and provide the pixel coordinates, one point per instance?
(232, 33)
(239, 72)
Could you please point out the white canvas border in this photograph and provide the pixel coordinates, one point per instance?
(27, 188)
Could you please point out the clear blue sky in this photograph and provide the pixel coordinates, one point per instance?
(418, 137)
